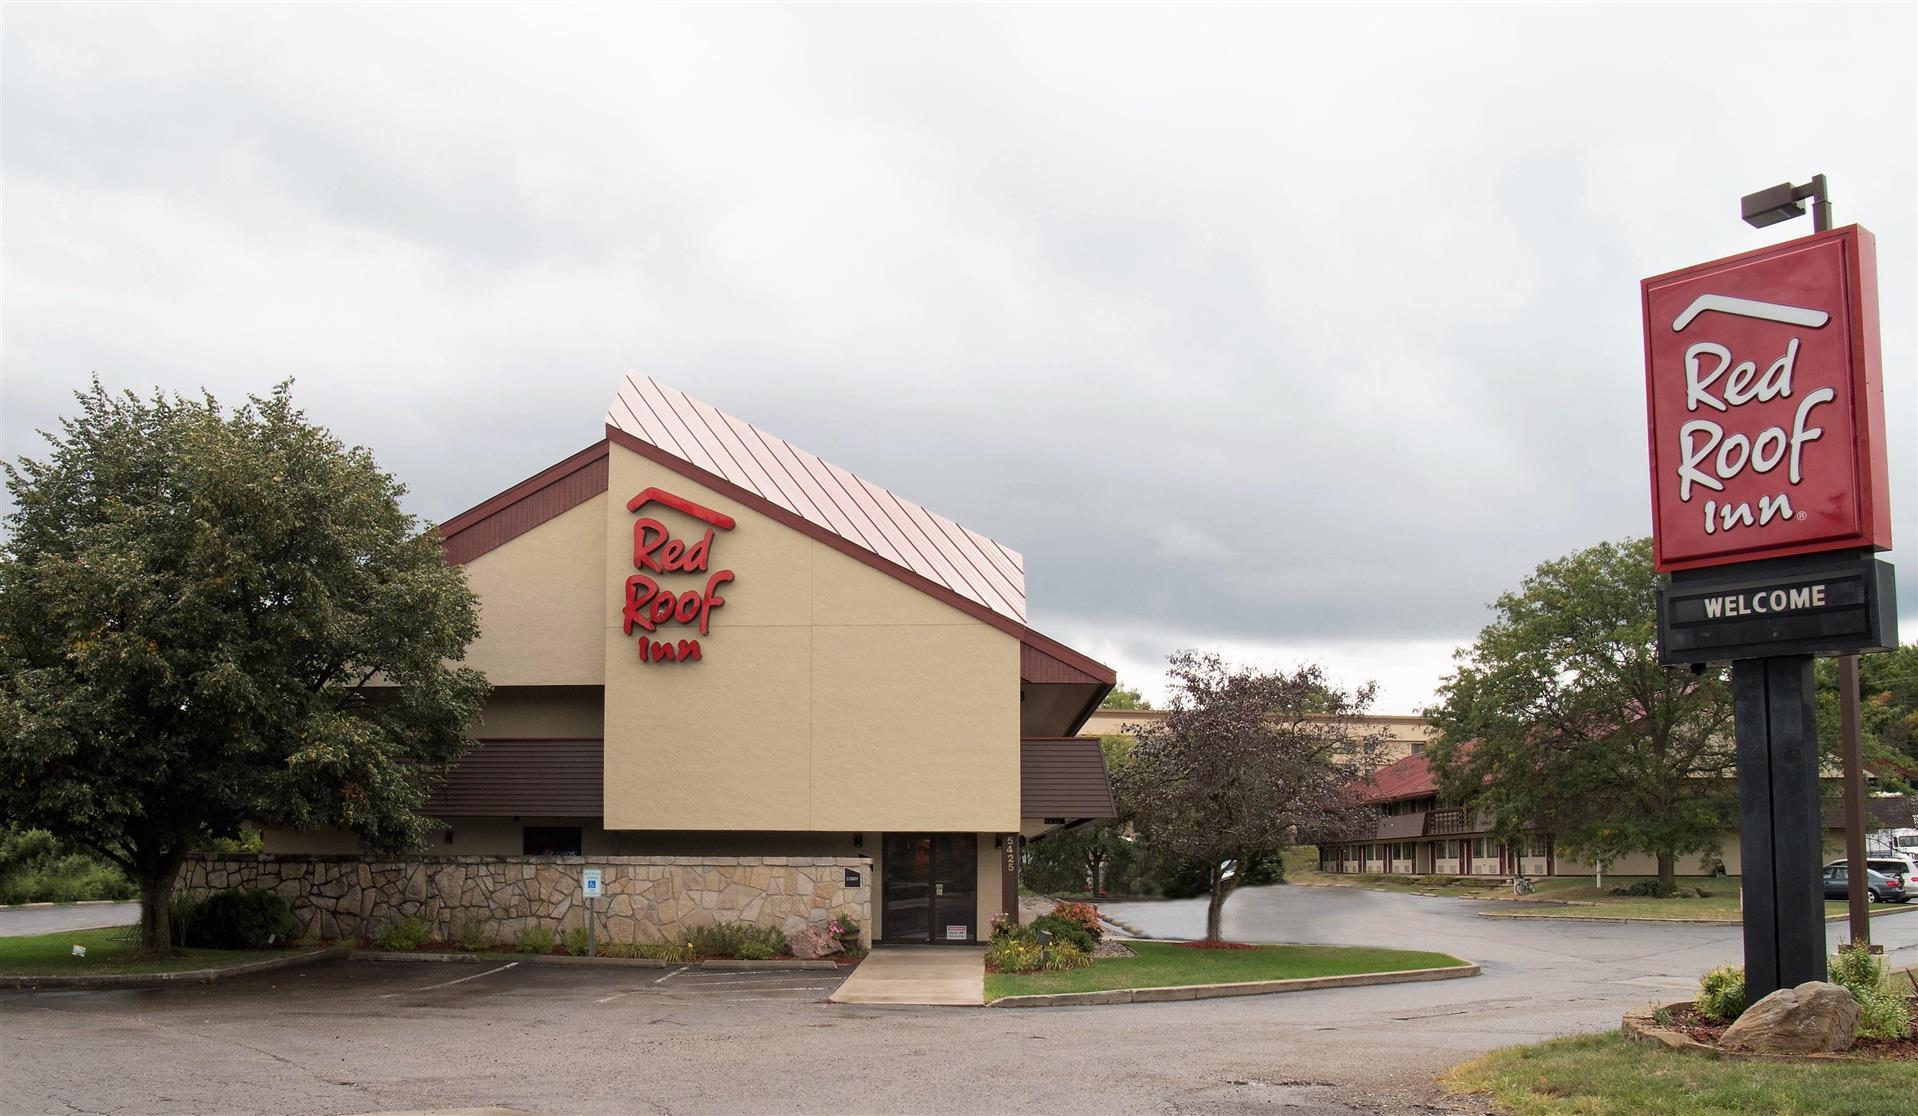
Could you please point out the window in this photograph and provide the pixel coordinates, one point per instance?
(1418, 749)
(550, 840)
(1478, 848)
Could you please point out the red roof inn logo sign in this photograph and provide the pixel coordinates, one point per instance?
(1766, 408)
(1768, 454)
(651, 605)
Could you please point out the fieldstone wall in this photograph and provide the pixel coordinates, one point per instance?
(644, 898)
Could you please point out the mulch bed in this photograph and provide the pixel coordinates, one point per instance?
(1700, 1028)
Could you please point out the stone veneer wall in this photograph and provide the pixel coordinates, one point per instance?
(645, 898)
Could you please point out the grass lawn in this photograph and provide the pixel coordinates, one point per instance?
(1601, 1075)
(52, 955)
(1169, 965)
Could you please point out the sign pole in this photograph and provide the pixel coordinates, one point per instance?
(1774, 709)
(1858, 892)
(1858, 886)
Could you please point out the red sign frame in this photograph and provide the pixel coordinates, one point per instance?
(1765, 404)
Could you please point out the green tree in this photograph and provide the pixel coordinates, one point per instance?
(1123, 697)
(212, 618)
(1560, 714)
(1887, 713)
(1243, 763)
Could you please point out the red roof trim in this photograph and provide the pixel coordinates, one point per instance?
(500, 519)
(1097, 671)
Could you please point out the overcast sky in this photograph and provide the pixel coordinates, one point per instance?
(1299, 332)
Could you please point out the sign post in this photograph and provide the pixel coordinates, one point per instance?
(589, 885)
(1766, 420)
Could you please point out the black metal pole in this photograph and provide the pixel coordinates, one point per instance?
(1775, 711)
(1821, 204)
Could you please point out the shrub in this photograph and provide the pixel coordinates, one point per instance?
(846, 932)
(1721, 993)
(753, 949)
(1650, 889)
(1883, 1009)
(726, 939)
(35, 867)
(1065, 930)
(1003, 924)
(232, 919)
(407, 933)
(1016, 953)
(1084, 914)
(475, 934)
(534, 939)
(657, 951)
(577, 941)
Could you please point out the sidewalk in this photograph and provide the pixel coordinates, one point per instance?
(943, 975)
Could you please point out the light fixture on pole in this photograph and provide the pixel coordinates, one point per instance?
(1785, 201)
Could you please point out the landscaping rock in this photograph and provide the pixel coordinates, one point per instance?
(812, 943)
(1816, 1017)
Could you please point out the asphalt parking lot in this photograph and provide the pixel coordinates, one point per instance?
(366, 1036)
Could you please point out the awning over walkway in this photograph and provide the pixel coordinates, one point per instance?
(1064, 779)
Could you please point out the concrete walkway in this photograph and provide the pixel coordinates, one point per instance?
(939, 975)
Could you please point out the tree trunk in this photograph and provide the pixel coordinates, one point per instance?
(1667, 872)
(1215, 908)
(156, 880)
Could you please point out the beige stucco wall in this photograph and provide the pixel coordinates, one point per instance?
(542, 602)
(830, 696)
(542, 713)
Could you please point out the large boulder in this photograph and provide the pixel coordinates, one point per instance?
(812, 943)
(1817, 1017)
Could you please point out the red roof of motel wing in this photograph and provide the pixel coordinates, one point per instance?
(1410, 777)
(889, 533)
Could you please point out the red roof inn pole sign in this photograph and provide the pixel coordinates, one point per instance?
(1767, 421)
(1768, 452)
(649, 605)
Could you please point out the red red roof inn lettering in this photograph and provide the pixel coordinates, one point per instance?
(1766, 408)
(649, 604)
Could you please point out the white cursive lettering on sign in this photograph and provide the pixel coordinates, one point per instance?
(1707, 456)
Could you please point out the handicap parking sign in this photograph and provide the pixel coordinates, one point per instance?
(589, 882)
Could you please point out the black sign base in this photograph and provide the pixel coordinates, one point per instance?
(1775, 709)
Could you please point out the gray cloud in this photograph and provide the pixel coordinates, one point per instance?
(1298, 330)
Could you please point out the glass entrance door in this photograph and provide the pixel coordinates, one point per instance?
(930, 887)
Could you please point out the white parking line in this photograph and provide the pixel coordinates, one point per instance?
(450, 983)
(671, 975)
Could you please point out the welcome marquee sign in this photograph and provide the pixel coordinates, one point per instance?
(652, 604)
(1766, 421)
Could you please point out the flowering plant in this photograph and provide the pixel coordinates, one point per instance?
(1085, 914)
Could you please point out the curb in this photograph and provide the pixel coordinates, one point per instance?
(184, 976)
(1240, 988)
(1886, 911)
(611, 962)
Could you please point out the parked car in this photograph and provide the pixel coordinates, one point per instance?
(1880, 887)
(1898, 866)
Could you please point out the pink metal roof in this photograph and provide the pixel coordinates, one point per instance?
(829, 497)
